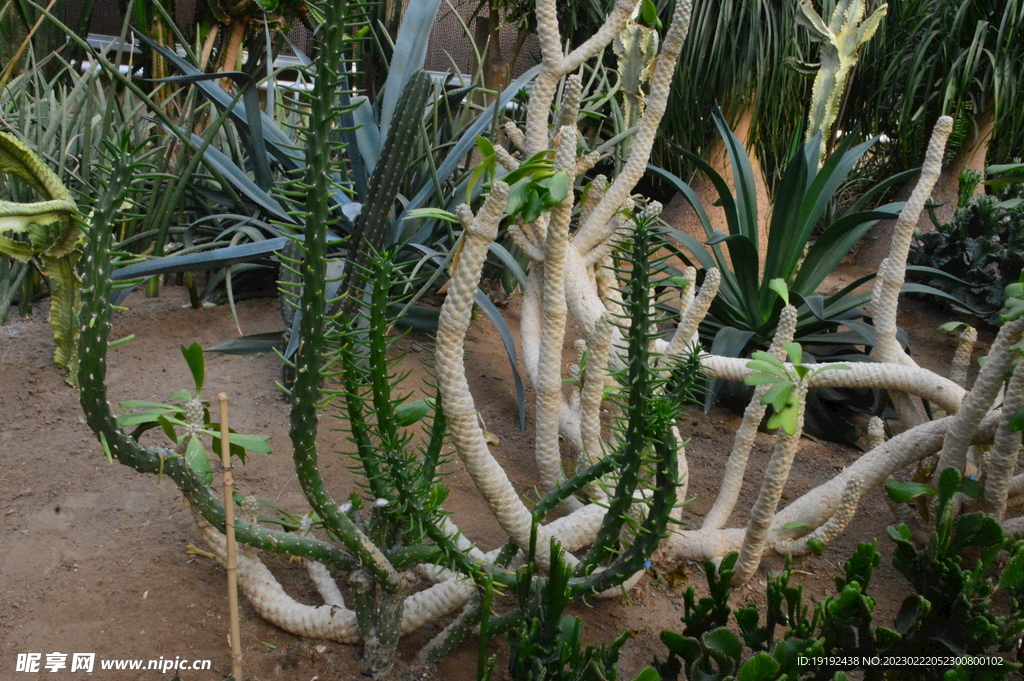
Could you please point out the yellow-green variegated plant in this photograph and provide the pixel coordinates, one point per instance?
(841, 39)
(44, 232)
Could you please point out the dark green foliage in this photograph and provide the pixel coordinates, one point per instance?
(978, 252)
(646, 454)
(545, 643)
(951, 614)
(399, 150)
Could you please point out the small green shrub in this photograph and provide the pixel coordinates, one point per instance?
(951, 615)
(975, 254)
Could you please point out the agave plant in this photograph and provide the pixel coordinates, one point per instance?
(808, 238)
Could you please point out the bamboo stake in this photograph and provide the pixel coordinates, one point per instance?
(229, 522)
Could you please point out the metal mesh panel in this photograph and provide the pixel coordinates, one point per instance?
(450, 44)
(449, 49)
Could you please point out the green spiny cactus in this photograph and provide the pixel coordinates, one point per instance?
(400, 149)
(94, 330)
(51, 238)
(647, 442)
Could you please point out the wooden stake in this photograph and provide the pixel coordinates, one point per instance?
(229, 522)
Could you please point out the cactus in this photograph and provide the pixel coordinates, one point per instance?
(400, 148)
(52, 236)
(840, 40)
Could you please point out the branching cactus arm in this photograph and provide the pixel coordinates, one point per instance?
(763, 512)
(962, 358)
(885, 296)
(459, 407)
(1005, 449)
(979, 400)
(93, 339)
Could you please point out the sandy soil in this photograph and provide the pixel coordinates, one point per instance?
(95, 557)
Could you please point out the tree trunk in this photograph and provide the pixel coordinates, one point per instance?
(946, 193)
(680, 215)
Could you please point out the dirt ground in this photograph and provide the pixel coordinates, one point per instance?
(95, 558)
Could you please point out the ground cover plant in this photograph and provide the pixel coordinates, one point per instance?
(954, 612)
(618, 493)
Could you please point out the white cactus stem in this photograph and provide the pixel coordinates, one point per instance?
(1005, 449)
(962, 358)
(775, 477)
(979, 399)
(832, 528)
(736, 467)
(548, 379)
(459, 408)
(885, 296)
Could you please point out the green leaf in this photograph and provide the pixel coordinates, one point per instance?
(647, 674)
(950, 327)
(409, 413)
(649, 12)
(760, 378)
(198, 460)
(432, 213)
(148, 416)
(257, 444)
(557, 186)
(193, 354)
(902, 492)
(760, 667)
(1016, 423)
(142, 404)
(778, 395)
(1013, 573)
(797, 526)
(484, 145)
(779, 286)
(796, 353)
(971, 488)
(768, 368)
(168, 428)
(789, 417)
(762, 356)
